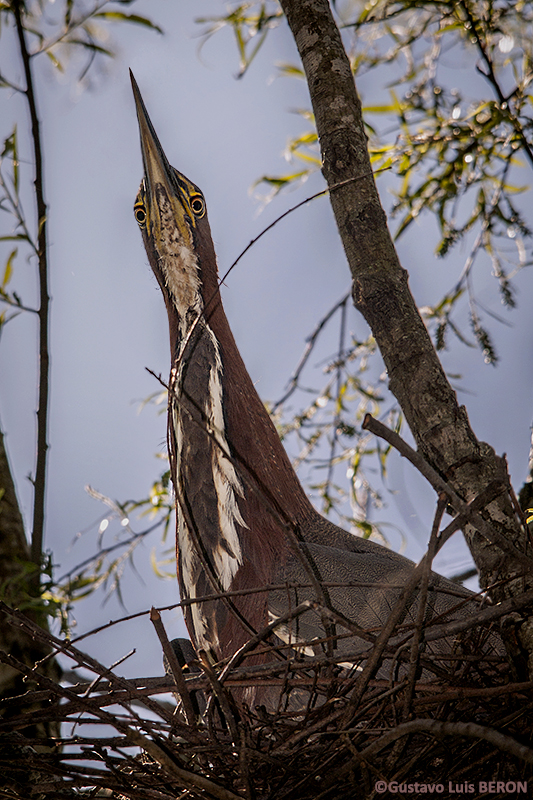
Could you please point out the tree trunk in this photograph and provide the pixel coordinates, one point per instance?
(15, 581)
(381, 292)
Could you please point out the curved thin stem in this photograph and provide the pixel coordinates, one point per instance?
(490, 75)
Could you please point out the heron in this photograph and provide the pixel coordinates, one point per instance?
(248, 539)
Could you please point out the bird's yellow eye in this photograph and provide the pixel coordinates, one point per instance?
(198, 205)
(140, 214)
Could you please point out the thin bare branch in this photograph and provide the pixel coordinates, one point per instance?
(437, 728)
(440, 485)
(39, 482)
(188, 710)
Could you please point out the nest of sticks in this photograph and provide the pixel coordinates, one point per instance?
(469, 724)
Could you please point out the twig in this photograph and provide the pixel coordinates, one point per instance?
(469, 729)
(491, 77)
(242, 593)
(109, 670)
(337, 415)
(157, 377)
(399, 608)
(374, 661)
(440, 485)
(417, 637)
(263, 634)
(460, 693)
(244, 762)
(216, 294)
(327, 190)
(188, 709)
(44, 358)
(485, 616)
(222, 694)
(293, 381)
(106, 550)
(36, 632)
(16, 210)
(4, 298)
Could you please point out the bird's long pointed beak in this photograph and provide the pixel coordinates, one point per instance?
(156, 166)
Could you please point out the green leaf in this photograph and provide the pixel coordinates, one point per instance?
(68, 12)
(95, 48)
(384, 109)
(55, 61)
(365, 527)
(15, 237)
(8, 271)
(290, 71)
(120, 16)
(280, 180)
(508, 187)
(406, 221)
(11, 148)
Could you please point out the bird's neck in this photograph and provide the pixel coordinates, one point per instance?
(237, 412)
(239, 501)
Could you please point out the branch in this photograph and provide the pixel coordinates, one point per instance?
(39, 483)
(338, 404)
(414, 657)
(490, 75)
(489, 614)
(104, 551)
(157, 622)
(440, 485)
(469, 729)
(440, 427)
(311, 340)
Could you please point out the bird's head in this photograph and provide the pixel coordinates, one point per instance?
(171, 213)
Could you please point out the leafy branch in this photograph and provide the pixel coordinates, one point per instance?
(455, 156)
(77, 29)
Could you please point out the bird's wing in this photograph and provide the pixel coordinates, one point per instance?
(362, 586)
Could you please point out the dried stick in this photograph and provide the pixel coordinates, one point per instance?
(399, 609)
(460, 693)
(485, 616)
(221, 694)
(310, 343)
(36, 632)
(181, 685)
(469, 729)
(440, 485)
(417, 637)
(262, 635)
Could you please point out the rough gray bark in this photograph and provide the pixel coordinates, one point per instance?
(15, 591)
(380, 291)
(14, 551)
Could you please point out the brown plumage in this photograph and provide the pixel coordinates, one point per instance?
(244, 521)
